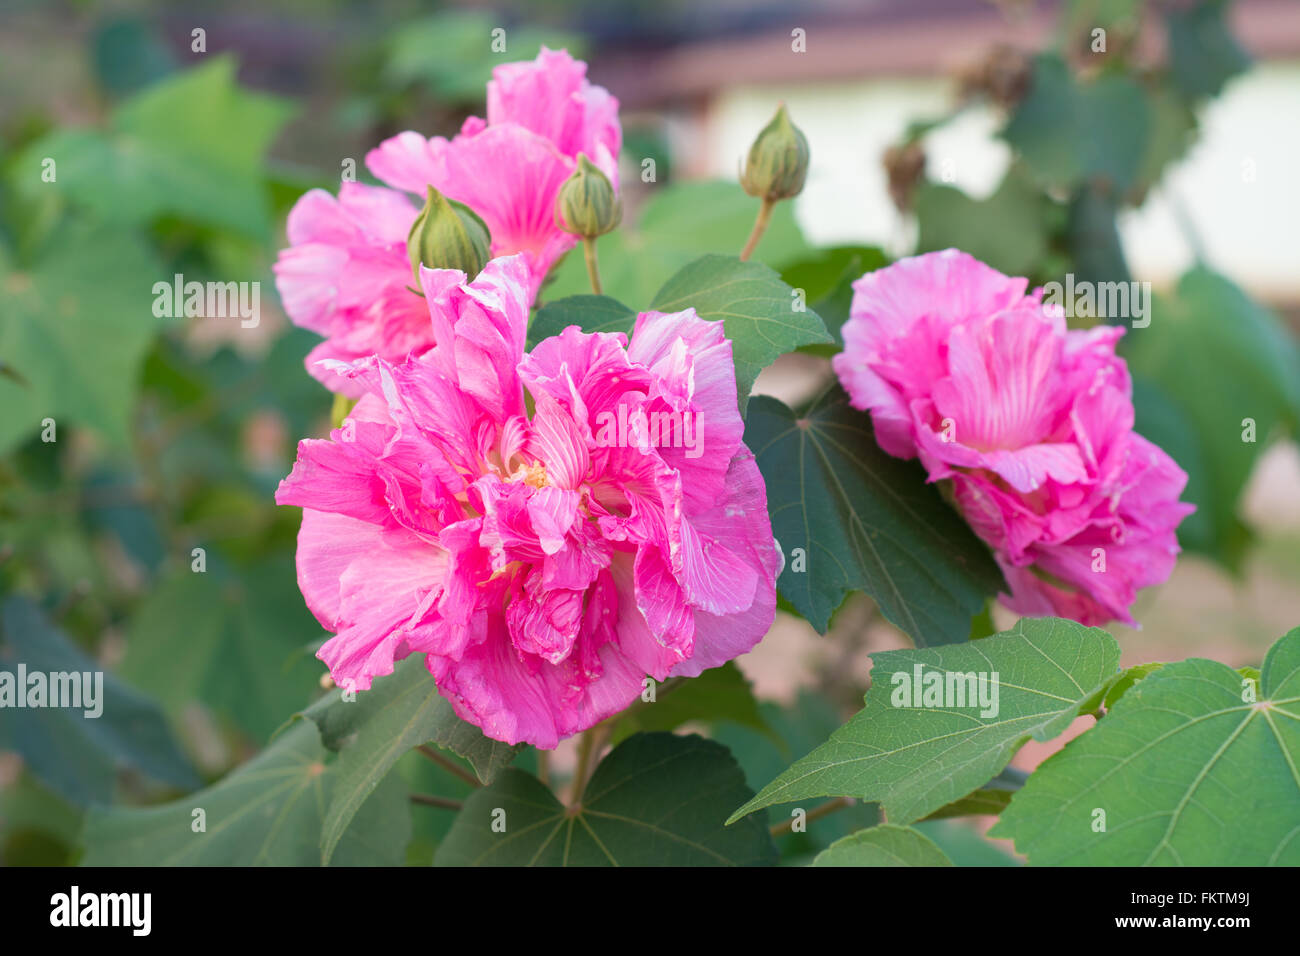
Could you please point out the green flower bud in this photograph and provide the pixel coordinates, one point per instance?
(778, 161)
(586, 204)
(448, 235)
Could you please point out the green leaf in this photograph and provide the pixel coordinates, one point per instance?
(680, 223)
(1120, 684)
(1203, 54)
(233, 641)
(129, 54)
(452, 51)
(757, 307)
(986, 801)
(1185, 771)
(1173, 130)
(76, 329)
(268, 812)
(37, 827)
(949, 219)
(721, 693)
(915, 760)
(1092, 237)
(407, 701)
(591, 313)
(1159, 419)
(796, 728)
(982, 624)
(1069, 132)
(990, 799)
(827, 280)
(965, 845)
(191, 146)
(864, 520)
(1211, 331)
(884, 845)
(371, 732)
(75, 754)
(656, 800)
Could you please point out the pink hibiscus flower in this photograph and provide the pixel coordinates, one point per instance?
(547, 528)
(1031, 422)
(509, 167)
(346, 274)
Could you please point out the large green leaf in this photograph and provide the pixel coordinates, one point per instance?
(915, 760)
(680, 223)
(864, 520)
(1070, 131)
(757, 308)
(884, 845)
(1211, 331)
(656, 800)
(237, 642)
(269, 812)
(1184, 770)
(374, 729)
(76, 328)
(79, 755)
(190, 146)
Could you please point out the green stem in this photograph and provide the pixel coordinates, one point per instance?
(593, 270)
(442, 803)
(826, 809)
(450, 766)
(580, 772)
(760, 226)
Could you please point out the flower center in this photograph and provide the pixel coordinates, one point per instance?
(534, 474)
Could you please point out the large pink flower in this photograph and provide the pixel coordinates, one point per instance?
(548, 528)
(1031, 422)
(509, 167)
(346, 274)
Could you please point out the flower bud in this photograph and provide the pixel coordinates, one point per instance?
(586, 204)
(448, 235)
(778, 161)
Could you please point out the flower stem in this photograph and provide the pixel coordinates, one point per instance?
(580, 772)
(760, 226)
(449, 765)
(442, 803)
(825, 809)
(593, 270)
(590, 747)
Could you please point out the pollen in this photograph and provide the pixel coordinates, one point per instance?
(535, 475)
